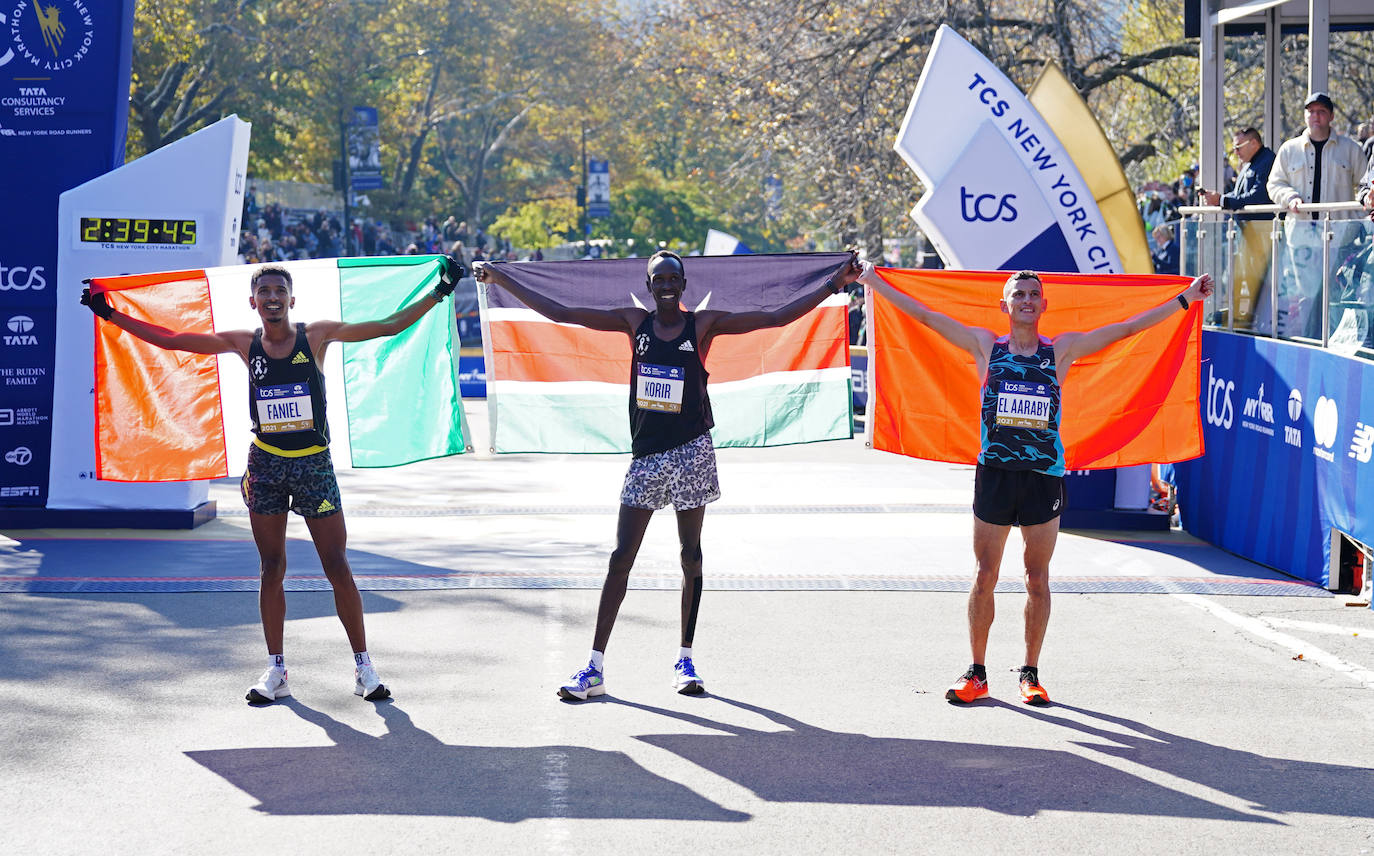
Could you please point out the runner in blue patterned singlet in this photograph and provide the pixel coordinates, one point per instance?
(1019, 478)
(289, 468)
(670, 422)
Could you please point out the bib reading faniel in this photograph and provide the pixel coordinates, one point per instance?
(1023, 405)
(659, 387)
(284, 408)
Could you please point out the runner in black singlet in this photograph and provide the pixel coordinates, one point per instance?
(670, 422)
(1019, 478)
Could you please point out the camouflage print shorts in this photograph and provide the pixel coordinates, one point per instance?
(275, 484)
(683, 475)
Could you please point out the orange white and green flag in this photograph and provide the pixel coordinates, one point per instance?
(174, 416)
(563, 388)
(1134, 402)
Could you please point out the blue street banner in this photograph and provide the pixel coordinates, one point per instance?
(365, 150)
(1289, 433)
(64, 105)
(598, 188)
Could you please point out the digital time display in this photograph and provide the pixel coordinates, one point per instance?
(137, 230)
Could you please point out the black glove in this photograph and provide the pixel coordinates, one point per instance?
(450, 271)
(97, 303)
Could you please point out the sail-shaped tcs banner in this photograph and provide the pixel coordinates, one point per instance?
(1002, 193)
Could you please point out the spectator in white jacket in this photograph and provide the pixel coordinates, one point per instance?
(1319, 165)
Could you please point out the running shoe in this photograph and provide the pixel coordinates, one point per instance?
(1031, 691)
(270, 687)
(368, 685)
(685, 678)
(588, 682)
(968, 688)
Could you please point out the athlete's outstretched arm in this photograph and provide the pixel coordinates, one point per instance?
(611, 320)
(711, 323)
(976, 340)
(172, 340)
(361, 331)
(1072, 346)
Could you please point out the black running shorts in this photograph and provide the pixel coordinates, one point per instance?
(275, 484)
(1020, 497)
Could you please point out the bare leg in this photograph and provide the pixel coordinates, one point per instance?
(269, 533)
(689, 534)
(331, 541)
(629, 533)
(1040, 540)
(988, 542)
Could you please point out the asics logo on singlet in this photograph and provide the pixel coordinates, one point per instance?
(1045, 364)
(299, 359)
(686, 346)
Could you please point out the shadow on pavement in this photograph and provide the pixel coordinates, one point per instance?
(1275, 785)
(407, 771)
(809, 764)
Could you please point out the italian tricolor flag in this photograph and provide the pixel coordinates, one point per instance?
(174, 416)
(563, 388)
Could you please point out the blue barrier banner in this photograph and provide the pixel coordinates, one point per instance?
(64, 105)
(1289, 433)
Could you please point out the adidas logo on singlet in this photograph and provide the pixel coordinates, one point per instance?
(325, 505)
(686, 345)
(299, 359)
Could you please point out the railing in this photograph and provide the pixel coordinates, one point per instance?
(1306, 277)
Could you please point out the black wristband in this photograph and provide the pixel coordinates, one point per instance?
(1183, 303)
(835, 287)
(437, 294)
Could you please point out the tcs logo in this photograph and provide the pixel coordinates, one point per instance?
(986, 207)
(1220, 411)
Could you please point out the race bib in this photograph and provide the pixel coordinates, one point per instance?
(660, 387)
(1023, 405)
(284, 408)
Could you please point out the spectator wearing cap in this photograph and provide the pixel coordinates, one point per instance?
(1319, 165)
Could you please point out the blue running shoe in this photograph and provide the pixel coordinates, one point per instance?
(588, 682)
(685, 678)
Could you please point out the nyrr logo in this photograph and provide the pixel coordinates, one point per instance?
(1258, 408)
(20, 325)
(986, 207)
(1292, 434)
(15, 278)
(51, 35)
(1220, 411)
(1325, 421)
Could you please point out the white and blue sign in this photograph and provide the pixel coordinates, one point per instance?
(1289, 434)
(598, 188)
(1002, 193)
(64, 106)
(364, 150)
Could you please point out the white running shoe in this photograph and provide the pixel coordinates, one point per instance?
(368, 685)
(685, 678)
(588, 682)
(270, 687)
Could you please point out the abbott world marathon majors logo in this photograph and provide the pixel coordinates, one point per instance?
(48, 35)
(1258, 414)
(1220, 411)
(1326, 420)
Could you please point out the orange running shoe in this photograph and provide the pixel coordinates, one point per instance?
(1031, 691)
(968, 688)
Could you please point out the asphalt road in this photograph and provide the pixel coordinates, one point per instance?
(1182, 722)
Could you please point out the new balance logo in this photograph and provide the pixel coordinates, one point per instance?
(299, 359)
(686, 346)
(325, 505)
